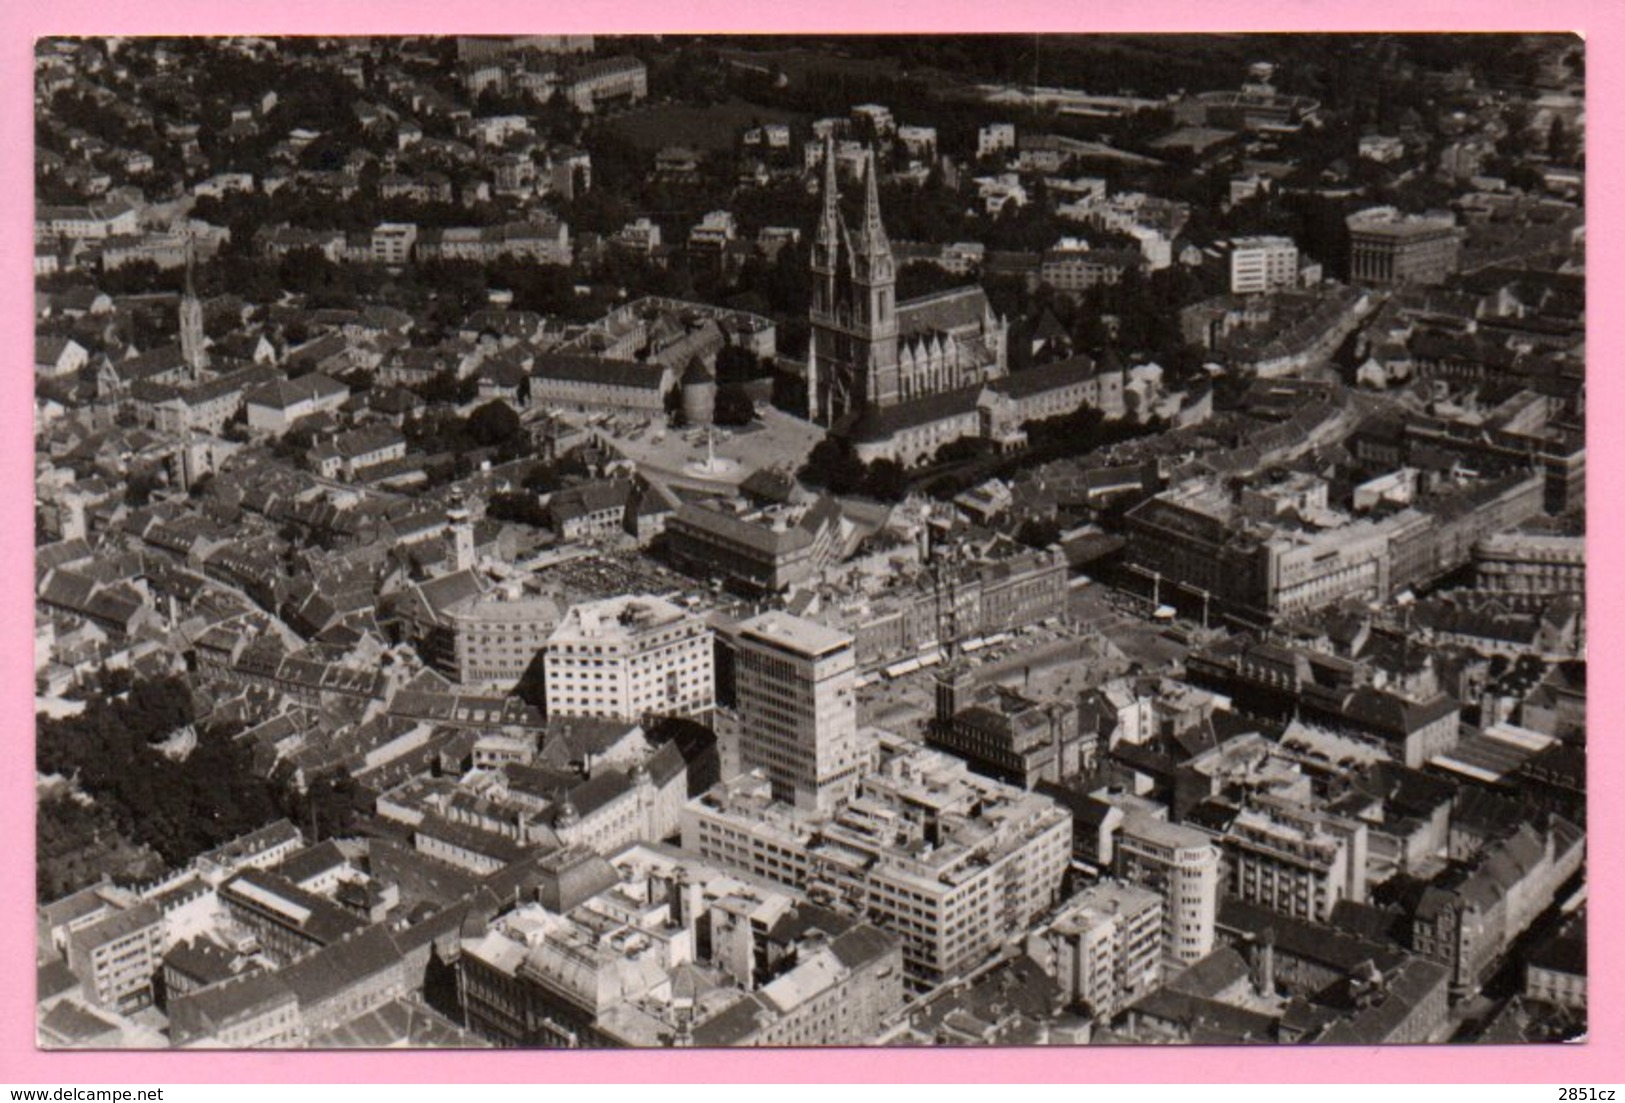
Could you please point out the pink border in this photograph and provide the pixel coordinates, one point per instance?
(1597, 1062)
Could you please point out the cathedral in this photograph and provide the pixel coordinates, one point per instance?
(876, 365)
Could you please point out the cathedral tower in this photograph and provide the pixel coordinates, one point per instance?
(874, 301)
(852, 361)
(191, 323)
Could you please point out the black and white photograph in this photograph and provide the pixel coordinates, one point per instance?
(942, 540)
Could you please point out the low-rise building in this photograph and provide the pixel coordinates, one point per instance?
(659, 948)
(349, 454)
(275, 407)
(593, 384)
(1531, 563)
(118, 956)
(769, 550)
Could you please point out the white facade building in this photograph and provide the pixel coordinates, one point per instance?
(954, 864)
(627, 658)
(796, 684)
(1260, 264)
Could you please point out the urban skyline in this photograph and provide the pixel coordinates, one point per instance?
(566, 540)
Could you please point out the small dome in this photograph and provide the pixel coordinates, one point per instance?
(568, 816)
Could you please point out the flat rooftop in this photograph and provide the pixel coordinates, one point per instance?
(794, 633)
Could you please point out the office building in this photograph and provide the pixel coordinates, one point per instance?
(795, 688)
(1387, 247)
(628, 658)
(1183, 866)
(1261, 264)
(955, 865)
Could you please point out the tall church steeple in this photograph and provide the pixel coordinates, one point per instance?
(852, 362)
(872, 234)
(874, 297)
(823, 353)
(191, 321)
(829, 221)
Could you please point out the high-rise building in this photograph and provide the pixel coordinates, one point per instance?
(628, 658)
(1183, 866)
(795, 685)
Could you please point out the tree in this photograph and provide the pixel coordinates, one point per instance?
(179, 809)
(832, 466)
(737, 365)
(520, 509)
(493, 424)
(887, 481)
(961, 450)
(1039, 534)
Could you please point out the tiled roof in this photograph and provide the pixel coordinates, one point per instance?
(957, 308)
(597, 369)
(1046, 377)
(881, 423)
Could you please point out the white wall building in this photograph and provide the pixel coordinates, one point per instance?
(628, 658)
(796, 682)
(1260, 264)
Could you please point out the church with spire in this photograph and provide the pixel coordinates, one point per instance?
(194, 344)
(877, 367)
(898, 380)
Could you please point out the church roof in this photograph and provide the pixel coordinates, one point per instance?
(1046, 377)
(879, 423)
(944, 311)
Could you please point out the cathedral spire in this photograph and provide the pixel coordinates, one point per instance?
(191, 264)
(872, 235)
(193, 345)
(829, 225)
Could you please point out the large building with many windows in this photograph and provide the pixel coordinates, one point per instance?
(1183, 866)
(954, 864)
(658, 948)
(628, 658)
(1262, 263)
(1104, 946)
(1295, 861)
(117, 955)
(1388, 247)
(795, 688)
(1531, 563)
